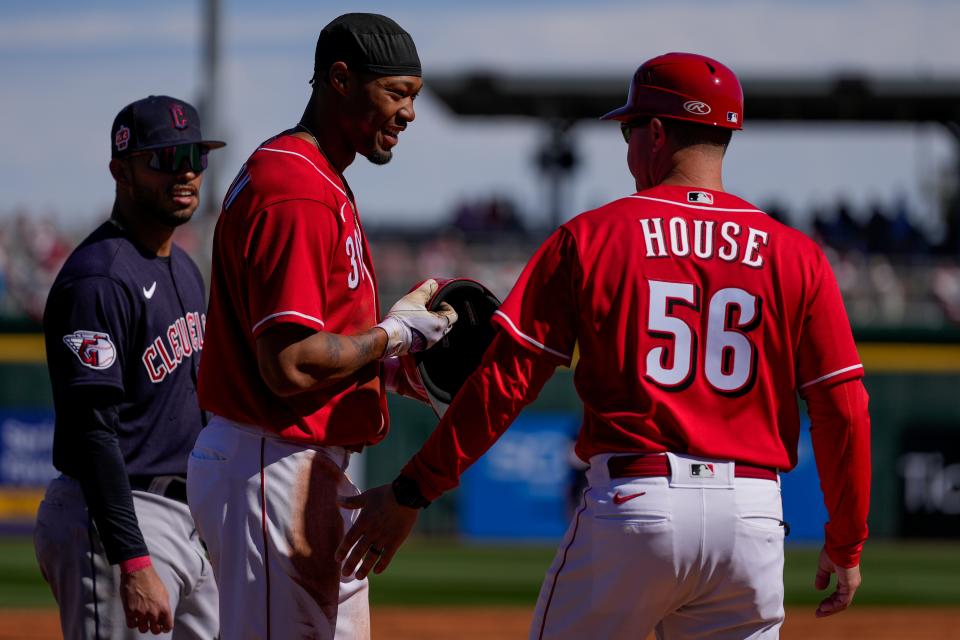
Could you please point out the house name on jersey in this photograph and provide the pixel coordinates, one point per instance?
(706, 239)
(182, 339)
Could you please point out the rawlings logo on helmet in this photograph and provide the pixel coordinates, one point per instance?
(93, 348)
(697, 107)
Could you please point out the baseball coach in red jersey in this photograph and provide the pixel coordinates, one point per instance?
(699, 320)
(298, 358)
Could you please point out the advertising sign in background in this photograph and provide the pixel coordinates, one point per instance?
(929, 473)
(26, 445)
(803, 506)
(521, 488)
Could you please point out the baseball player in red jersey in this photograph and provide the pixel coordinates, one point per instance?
(698, 321)
(298, 360)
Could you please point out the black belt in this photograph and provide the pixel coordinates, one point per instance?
(172, 487)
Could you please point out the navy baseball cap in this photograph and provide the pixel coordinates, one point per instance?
(156, 122)
(369, 42)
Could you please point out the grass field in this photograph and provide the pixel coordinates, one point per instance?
(435, 572)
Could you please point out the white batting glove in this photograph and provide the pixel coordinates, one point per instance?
(410, 327)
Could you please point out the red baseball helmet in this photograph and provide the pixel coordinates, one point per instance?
(684, 86)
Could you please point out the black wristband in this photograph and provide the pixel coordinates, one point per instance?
(407, 493)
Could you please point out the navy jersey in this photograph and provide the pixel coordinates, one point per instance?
(123, 320)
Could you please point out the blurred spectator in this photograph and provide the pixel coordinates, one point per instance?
(443, 256)
(885, 265)
(946, 289)
(485, 216)
(32, 251)
(778, 212)
(904, 238)
(6, 309)
(879, 231)
(846, 232)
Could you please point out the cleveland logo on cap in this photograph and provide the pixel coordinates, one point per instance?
(155, 122)
(179, 119)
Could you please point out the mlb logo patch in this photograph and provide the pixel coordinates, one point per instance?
(700, 197)
(122, 139)
(702, 470)
(732, 116)
(93, 348)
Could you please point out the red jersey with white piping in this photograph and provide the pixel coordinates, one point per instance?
(697, 317)
(292, 250)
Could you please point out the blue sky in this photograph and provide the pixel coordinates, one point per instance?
(68, 67)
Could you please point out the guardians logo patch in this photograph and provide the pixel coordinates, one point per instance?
(94, 348)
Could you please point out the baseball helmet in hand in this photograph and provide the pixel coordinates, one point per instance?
(445, 366)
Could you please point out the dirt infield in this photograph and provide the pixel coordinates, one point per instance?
(484, 623)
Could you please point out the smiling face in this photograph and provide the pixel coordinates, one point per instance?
(167, 198)
(380, 107)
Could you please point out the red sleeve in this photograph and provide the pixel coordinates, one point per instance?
(509, 378)
(827, 351)
(288, 255)
(840, 429)
(540, 313)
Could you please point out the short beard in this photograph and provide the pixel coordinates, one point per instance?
(175, 219)
(379, 157)
(169, 219)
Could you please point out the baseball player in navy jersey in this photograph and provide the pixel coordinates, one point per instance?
(698, 320)
(124, 327)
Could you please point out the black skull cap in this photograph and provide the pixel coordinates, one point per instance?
(368, 42)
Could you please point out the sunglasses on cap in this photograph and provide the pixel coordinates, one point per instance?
(171, 159)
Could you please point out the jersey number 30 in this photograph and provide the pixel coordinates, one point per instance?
(730, 357)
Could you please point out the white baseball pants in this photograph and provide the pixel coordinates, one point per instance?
(686, 557)
(266, 509)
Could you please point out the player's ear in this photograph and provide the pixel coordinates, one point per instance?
(340, 77)
(120, 170)
(658, 134)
